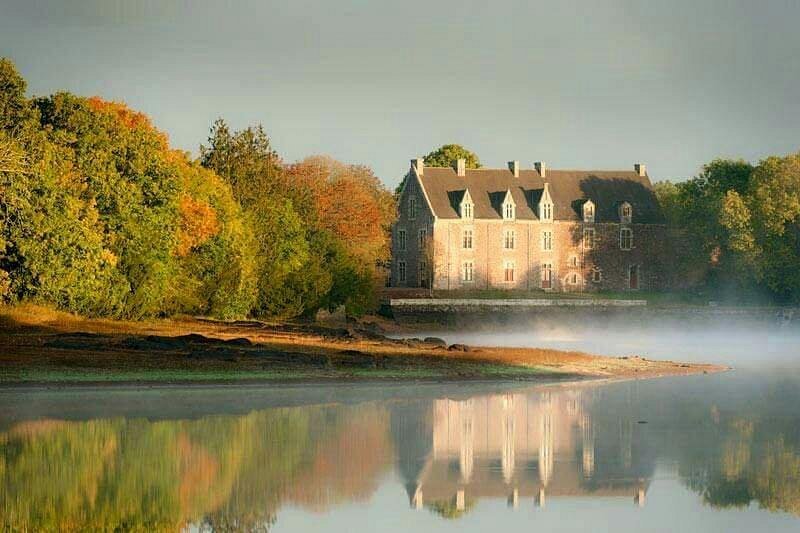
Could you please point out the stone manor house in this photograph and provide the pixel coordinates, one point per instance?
(528, 229)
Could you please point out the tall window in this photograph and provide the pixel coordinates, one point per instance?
(467, 271)
(588, 212)
(588, 239)
(573, 261)
(597, 275)
(508, 271)
(547, 212)
(401, 271)
(625, 238)
(421, 237)
(423, 273)
(508, 211)
(508, 239)
(401, 240)
(412, 208)
(547, 240)
(466, 210)
(625, 213)
(547, 275)
(466, 239)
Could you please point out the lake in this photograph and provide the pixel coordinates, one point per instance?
(702, 453)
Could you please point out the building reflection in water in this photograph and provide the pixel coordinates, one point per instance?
(522, 447)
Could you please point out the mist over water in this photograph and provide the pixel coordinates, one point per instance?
(718, 452)
(737, 342)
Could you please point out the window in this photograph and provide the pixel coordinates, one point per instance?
(573, 261)
(547, 241)
(625, 238)
(588, 212)
(547, 276)
(508, 239)
(547, 212)
(423, 273)
(401, 271)
(588, 239)
(466, 239)
(597, 275)
(401, 240)
(466, 211)
(573, 278)
(422, 236)
(508, 271)
(467, 271)
(625, 213)
(508, 211)
(412, 208)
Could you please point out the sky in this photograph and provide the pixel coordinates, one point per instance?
(579, 85)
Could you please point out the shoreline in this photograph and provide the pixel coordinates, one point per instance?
(44, 348)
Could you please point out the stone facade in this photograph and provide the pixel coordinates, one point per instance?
(522, 252)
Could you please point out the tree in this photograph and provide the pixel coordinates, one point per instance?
(446, 154)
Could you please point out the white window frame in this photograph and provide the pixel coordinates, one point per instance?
(509, 211)
(546, 275)
(468, 271)
(467, 238)
(547, 240)
(597, 275)
(623, 217)
(509, 239)
(588, 212)
(622, 242)
(508, 267)
(547, 212)
(467, 211)
(589, 243)
(574, 261)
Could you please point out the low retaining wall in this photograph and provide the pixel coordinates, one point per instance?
(467, 304)
(466, 311)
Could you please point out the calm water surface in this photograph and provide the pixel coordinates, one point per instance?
(703, 453)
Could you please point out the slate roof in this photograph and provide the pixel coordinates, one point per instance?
(569, 189)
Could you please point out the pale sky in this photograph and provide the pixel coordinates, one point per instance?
(590, 85)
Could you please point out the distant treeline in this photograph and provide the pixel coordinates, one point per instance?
(98, 215)
(739, 228)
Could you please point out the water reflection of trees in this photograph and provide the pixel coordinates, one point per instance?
(219, 472)
(233, 473)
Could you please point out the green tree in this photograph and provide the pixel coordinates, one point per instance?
(446, 154)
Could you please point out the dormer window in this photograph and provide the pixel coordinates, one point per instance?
(509, 207)
(625, 213)
(546, 205)
(588, 212)
(467, 208)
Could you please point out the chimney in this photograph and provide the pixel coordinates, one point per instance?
(541, 168)
(513, 166)
(460, 166)
(419, 165)
(640, 169)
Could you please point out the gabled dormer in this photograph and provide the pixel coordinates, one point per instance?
(466, 208)
(589, 210)
(509, 206)
(625, 213)
(546, 205)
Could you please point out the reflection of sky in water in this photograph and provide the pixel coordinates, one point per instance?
(717, 453)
